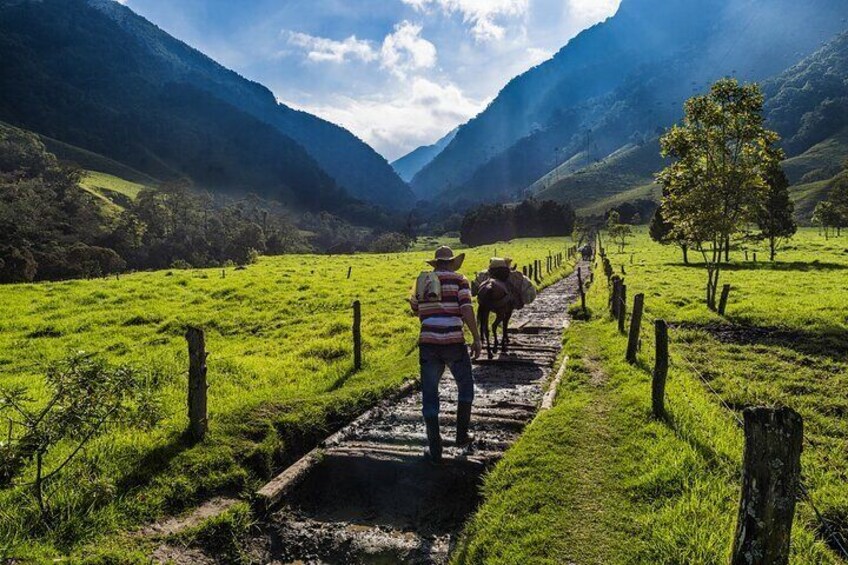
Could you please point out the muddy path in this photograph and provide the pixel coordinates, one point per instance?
(367, 495)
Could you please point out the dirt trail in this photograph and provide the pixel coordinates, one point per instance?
(368, 496)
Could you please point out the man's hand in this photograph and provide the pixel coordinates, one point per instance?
(476, 349)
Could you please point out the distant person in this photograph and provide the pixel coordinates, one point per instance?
(442, 300)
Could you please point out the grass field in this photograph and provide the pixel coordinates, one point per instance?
(598, 480)
(280, 375)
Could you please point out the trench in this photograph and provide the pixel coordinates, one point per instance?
(366, 495)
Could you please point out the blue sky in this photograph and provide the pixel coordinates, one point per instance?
(397, 73)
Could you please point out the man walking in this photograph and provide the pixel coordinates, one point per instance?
(442, 300)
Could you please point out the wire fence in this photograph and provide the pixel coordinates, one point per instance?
(832, 536)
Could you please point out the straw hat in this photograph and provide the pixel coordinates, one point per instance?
(445, 259)
(499, 263)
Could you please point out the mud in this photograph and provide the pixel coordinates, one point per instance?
(368, 495)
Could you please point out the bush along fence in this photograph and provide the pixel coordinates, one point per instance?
(771, 466)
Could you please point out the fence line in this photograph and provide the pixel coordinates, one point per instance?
(833, 536)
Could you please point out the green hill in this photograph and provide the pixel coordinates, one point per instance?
(631, 167)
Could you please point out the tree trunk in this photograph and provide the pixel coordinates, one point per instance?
(772, 248)
(685, 249)
(727, 249)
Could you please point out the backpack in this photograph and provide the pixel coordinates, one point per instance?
(428, 288)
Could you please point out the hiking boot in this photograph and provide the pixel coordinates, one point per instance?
(434, 440)
(463, 419)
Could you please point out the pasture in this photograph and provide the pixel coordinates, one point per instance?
(280, 374)
(633, 489)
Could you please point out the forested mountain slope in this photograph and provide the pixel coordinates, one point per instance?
(94, 74)
(622, 82)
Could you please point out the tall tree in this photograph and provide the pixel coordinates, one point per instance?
(775, 214)
(721, 155)
(663, 232)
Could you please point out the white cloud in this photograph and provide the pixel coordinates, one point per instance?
(402, 51)
(589, 11)
(484, 16)
(322, 49)
(420, 112)
(405, 50)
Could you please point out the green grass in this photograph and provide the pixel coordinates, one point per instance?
(280, 375)
(115, 193)
(598, 480)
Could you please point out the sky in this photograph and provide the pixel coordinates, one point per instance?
(397, 73)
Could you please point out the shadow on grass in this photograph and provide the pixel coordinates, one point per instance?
(713, 459)
(830, 343)
(155, 461)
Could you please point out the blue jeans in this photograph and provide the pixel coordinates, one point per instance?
(434, 359)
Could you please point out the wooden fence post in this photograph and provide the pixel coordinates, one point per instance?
(722, 303)
(524, 270)
(613, 299)
(349, 271)
(582, 291)
(660, 369)
(198, 423)
(746, 255)
(635, 327)
(622, 306)
(771, 471)
(755, 256)
(357, 335)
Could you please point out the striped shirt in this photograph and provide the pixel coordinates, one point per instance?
(441, 322)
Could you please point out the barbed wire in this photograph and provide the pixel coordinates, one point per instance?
(832, 535)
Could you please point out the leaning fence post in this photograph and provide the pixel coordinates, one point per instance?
(635, 327)
(660, 368)
(197, 420)
(622, 306)
(722, 303)
(349, 271)
(357, 335)
(771, 471)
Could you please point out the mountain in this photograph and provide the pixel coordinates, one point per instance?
(806, 104)
(409, 165)
(621, 83)
(95, 75)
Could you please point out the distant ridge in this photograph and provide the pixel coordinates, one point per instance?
(409, 165)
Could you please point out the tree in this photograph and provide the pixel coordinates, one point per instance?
(775, 214)
(839, 200)
(718, 178)
(663, 232)
(617, 231)
(825, 216)
(85, 397)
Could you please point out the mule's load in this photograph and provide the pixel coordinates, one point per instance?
(521, 289)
